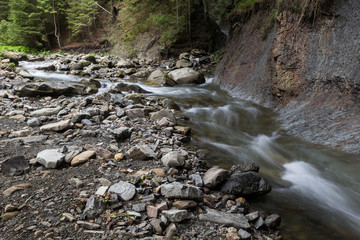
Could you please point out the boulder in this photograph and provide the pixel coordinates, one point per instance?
(50, 158)
(181, 191)
(26, 74)
(245, 184)
(124, 190)
(159, 78)
(122, 63)
(186, 76)
(173, 159)
(15, 166)
(228, 219)
(140, 152)
(55, 89)
(183, 63)
(215, 176)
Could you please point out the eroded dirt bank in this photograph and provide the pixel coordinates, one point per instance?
(309, 73)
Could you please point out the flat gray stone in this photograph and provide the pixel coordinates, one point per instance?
(182, 191)
(57, 126)
(122, 133)
(34, 122)
(15, 166)
(228, 219)
(140, 152)
(50, 158)
(94, 207)
(45, 112)
(124, 190)
(173, 159)
(244, 234)
(175, 215)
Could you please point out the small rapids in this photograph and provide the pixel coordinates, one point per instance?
(316, 190)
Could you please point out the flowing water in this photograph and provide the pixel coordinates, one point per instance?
(316, 190)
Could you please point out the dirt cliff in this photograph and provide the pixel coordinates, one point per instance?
(308, 72)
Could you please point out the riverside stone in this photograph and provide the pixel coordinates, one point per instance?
(140, 152)
(83, 157)
(45, 112)
(173, 159)
(9, 215)
(175, 215)
(159, 78)
(15, 166)
(57, 126)
(124, 190)
(244, 234)
(50, 158)
(88, 225)
(182, 191)
(185, 204)
(186, 76)
(163, 113)
(16, 188)
(228, 219)
(273, 221)
(94, 207)
(246, 184)
(158, 225)
(215, 176)
(34, 122)
(122, 133)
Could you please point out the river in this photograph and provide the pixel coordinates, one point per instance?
(316, 190)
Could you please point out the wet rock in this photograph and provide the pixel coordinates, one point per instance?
(245, 167)
(57, 126)
(50, 158)
(15, 166)
(83, 157)
(173, 159)
(259, 223)
(228, 219)
(94, 207)
(16, 188)
(79, 65)
(214, 176)
(273, 221)
(246, 184)
(26, 74)
(182, 130)
(140, 152)
(34, 122)
(123, 87)
(186, 76)
(55, 89)
(159, 78)
(181, 191)
(175, 215)
(122, 133)
(45, 112)
(124, 190)
(48, 67)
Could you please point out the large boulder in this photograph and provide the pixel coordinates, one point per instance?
(55, 89)
(159, 78)
(246, 184)
(14, 57)
(186, 76)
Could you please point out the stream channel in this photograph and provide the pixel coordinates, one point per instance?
(316, 190)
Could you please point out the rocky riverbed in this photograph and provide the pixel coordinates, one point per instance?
(78, 163)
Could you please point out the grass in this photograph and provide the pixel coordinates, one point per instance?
(23, 49)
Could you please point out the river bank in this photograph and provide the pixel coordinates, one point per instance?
(113, 164)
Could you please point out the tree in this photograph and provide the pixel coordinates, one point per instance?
(25, 24)
(80, 16)
(4, 9)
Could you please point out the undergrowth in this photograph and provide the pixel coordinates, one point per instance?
(23, 49)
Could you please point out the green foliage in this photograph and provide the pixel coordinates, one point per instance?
(80, 16)
(11, 67)
(4, 9)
